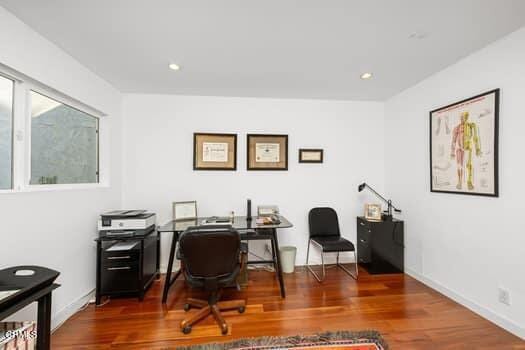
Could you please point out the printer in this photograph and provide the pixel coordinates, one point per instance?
(118, 220)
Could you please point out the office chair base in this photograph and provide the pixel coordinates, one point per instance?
(207, 309)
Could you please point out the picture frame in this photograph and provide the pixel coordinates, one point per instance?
(373, 212)
(185, 210)
(267, 152)
(464, 146)
(310, 155)
(213, 151)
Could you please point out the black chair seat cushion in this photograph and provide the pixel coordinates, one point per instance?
(334, 243)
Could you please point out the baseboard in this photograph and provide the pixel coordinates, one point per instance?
(63, 315)
(499, 320)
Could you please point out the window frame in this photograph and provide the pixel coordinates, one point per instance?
(13, 96)
(21, 138)
(29, 138)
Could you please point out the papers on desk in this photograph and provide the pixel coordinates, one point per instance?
(6, 293)
(122, 246)
(217, 220)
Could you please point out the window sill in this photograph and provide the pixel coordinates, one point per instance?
(51, 188)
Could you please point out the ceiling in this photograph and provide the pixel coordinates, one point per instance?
(269, 48)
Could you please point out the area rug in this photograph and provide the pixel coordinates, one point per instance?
(364, 340)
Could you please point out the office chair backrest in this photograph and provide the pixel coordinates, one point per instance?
(323, 222)
(210, 251)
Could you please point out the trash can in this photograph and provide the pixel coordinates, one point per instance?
(288, 258)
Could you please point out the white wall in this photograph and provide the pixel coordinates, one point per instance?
(158, 168)
(465, 246)
(56, 228)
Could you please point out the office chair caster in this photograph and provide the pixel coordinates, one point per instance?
(187, 307)
(186, 330)
(241, 309)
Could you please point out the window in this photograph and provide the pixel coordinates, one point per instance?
(6, 133)
(64, 143)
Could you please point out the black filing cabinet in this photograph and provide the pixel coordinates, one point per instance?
(380, 245)
(126, 264)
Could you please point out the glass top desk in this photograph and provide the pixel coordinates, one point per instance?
(249, 231)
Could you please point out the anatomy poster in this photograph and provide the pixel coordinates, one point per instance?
(464, 146)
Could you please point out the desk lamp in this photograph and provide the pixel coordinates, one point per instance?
(388, 216)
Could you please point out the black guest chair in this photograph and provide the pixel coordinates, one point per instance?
(211, 258)
(324, 233)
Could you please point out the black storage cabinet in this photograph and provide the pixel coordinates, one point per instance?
(380, 245)
(127, 272)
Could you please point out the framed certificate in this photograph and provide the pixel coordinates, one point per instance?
(267, 152)
(185, 210)
(214, 151)
(310, 155)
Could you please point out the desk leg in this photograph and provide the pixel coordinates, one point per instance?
(43, 330)
(98, 289)
(277, 258)
(168, 281)
(158, 255)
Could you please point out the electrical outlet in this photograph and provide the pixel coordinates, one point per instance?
(504, 296)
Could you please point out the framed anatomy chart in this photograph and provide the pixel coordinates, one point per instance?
(464, 146)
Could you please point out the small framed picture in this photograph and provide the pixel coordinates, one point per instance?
(214, 151)
(267, 152)
(373, 212)
(310, 155)
(184, 210)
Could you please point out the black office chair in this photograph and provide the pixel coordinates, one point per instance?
(324, 233)
(211, 258)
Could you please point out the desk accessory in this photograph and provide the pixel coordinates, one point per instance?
(373, 212)
(267, 210)
(185, 210)
(388, 216)
(249, 210)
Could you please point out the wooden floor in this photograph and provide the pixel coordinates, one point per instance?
(407, 313)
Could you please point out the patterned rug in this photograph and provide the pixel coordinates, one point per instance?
(364, 340)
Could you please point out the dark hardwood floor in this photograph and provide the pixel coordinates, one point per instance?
(407, 313)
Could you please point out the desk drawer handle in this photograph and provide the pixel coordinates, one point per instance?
(119, 268)
(118, 257)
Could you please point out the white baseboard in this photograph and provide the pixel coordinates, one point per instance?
(63, 315)
(499, 320)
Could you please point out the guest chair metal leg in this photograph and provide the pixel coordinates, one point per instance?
(319, 279)
(354, 276)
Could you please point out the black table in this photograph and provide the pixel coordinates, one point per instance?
(37, 287)
(249, 231)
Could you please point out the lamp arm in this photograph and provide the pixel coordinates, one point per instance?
(387, 201)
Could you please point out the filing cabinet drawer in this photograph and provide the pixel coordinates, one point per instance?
(122, 278)
(364, 253)
(120, 260)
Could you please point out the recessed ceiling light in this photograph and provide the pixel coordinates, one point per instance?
(174, 66)
(366, 76)
(418, 35)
